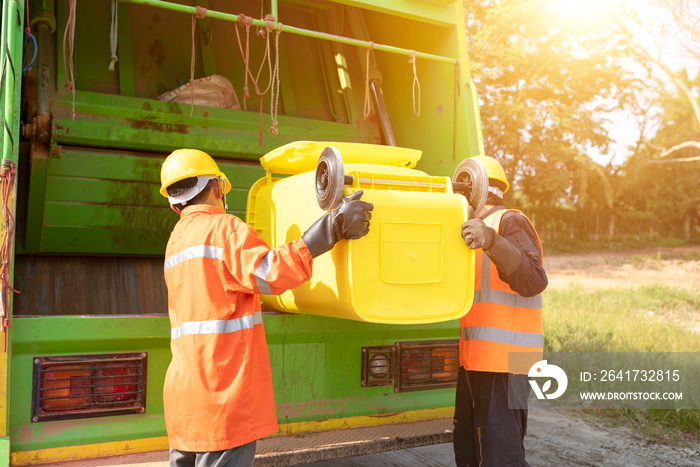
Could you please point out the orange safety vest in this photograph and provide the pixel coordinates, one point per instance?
(218, 388)
(500, 320)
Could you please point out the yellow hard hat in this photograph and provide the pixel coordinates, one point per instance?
(185, 163)
(494, 169)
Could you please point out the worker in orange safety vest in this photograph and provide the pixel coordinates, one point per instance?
(501, 335)
(218, 397)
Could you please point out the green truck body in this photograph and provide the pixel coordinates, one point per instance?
(91, 228)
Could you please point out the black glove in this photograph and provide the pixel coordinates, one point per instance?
(477, 234)
(349, 220)
(502, 253)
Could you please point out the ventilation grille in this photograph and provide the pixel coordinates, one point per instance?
(411, 366)
(84, 386)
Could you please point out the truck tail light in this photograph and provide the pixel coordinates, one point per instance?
(411, 366)
(82, 386)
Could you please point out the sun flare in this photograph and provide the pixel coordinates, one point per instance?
(583, 10)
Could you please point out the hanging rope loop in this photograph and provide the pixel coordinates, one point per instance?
(412, 61)
(201, 14)
(367, 108)
(69, 34)
(113, 37)
(275, 92)
(245, 21)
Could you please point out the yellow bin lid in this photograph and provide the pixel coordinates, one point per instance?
(302, 156)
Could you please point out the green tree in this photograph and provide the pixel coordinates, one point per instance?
(546, 88)
(659, 187)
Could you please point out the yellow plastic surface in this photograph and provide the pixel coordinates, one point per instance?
(413, 267)
(301, 156)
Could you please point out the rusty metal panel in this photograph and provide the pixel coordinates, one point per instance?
(63, 285)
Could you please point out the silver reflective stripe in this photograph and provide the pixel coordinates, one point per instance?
(199, 251)
(261, 273)
(502, 336)
(500, 297)
(216, 326)
(486, 294)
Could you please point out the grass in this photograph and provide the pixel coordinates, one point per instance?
(564, 245)
(643, 319)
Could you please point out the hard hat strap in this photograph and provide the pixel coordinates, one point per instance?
(222, 180)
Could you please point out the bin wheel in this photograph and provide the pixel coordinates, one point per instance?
(330, 178)
(472, 173)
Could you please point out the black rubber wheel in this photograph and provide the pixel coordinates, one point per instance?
(472, 173)
(330, 178)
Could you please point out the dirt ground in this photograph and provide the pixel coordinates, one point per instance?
(631, 268)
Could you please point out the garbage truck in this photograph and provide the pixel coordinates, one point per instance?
(95, 94)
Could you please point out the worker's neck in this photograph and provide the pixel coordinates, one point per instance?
(484, 210)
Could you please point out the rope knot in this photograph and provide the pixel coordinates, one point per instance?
(412, 60)
(201, 12)
(113, 62)
(269, 22)
(245, 20)
(273, 128)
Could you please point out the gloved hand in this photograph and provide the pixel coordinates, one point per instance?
(477, 234)
(349, 220)
(502, 253)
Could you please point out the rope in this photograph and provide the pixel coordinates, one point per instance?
(28, 67)
(412, 61)
(7, 173)
(28, 36)
(269, 27)
(275, 93)
(245, 21)
(367, 108)
(201, 14)
(70, 33)
(455, 95)
(113, 37)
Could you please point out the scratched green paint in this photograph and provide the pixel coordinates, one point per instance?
(96, 192)
(315, 368)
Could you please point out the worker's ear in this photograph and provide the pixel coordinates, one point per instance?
(177, 211)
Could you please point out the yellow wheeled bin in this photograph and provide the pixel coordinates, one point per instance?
(413, 266)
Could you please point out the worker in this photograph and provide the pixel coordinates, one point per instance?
(218, 397)
(491, 402)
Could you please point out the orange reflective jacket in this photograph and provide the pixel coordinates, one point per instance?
(218, 388)
(500, 320)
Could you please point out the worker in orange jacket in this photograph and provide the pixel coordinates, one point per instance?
(501, 336)
(218, 397)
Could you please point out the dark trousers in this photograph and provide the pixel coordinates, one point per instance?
(241, 456)
(487, 433)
